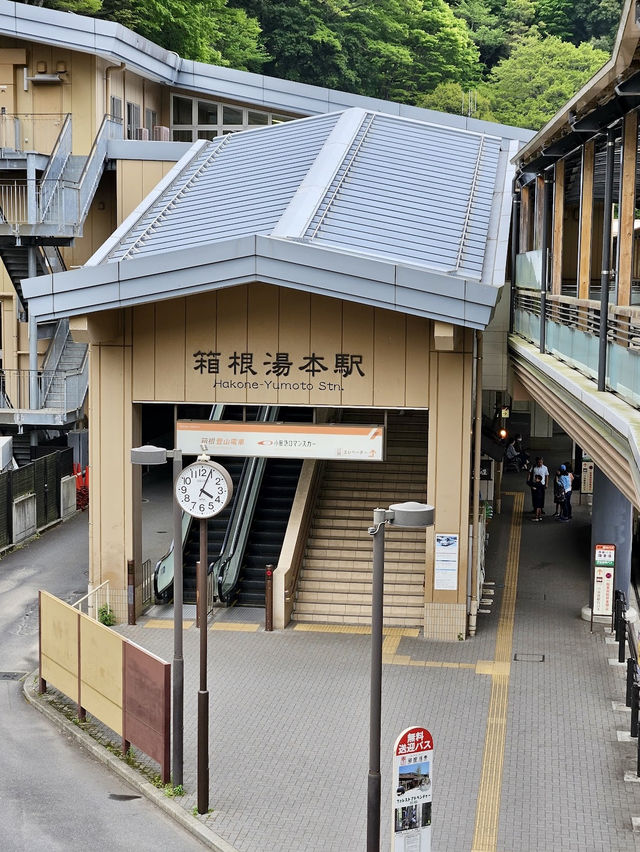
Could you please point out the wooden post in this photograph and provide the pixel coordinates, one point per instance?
(558, 228)
(627, 208)
(586, 220)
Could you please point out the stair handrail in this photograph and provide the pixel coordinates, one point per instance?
(228, 563)
(110, 128)
(53, 171)
(56, 346)
(76, 384)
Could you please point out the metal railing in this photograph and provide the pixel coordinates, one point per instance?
(55, 167)
(109, 129)
(100, 597)
(59, 390)
(625, 638)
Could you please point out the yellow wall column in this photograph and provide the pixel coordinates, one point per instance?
(114, 430)
(448, 489)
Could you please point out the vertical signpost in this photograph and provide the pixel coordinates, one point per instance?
(411, 795)
(604, 562)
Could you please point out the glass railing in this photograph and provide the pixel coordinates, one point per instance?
(572, 335)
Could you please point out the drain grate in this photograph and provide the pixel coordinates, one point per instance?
(12, 675)
(528, 658)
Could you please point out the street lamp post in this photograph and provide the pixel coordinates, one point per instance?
(409, 514)
(158, 455)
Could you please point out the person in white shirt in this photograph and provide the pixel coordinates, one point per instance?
(540, 469)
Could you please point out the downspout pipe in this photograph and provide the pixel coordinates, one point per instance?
(107, 86)
(477, 451)
(606, 260)
(544, 271)
(34, 402)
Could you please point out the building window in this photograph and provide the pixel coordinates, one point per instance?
(150, 120)
(133, 120)
(194, 118)
(115, 108)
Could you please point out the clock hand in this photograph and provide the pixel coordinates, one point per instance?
(202, 491)
(204, 483)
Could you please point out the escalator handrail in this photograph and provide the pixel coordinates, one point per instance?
(248, 489)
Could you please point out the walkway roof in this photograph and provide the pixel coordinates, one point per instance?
(357, 205)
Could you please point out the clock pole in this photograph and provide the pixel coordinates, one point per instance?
(203, 693)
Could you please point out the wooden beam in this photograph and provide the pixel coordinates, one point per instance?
(525, 215)
(539, 212)
(557, 245)
(586, 220)
(627, 208)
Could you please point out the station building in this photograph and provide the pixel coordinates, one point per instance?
(182, 241)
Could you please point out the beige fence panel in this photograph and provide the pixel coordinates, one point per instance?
(59, 644)
(101, 672)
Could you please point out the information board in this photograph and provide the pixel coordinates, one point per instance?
(412, 791)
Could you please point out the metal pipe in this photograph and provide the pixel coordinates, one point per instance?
(203, 694)
(515, 239)
(34, 402)
(178, 657)
(477, 452)
(606, 261)
(375, 703)
(268, 599)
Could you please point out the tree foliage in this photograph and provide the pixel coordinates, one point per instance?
(538, 78)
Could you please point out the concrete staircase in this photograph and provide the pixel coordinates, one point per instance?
(335, 579)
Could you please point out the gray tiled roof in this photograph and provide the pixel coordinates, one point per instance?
(381, 186)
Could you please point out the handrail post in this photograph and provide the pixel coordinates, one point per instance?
(268, 599)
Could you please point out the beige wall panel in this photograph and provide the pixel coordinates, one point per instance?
(417, 361)
(295, 339)
(80, 100)
(390, 337)
(143, 321)
(200, 336)
(101, 672)
(99, 224)
(357, 338)
(59, 643)
(135, 180)
(7, 97)
(170, 351)
(113, 411)
(449, 445)
(262, 337)
(231, 335)
(326, 340)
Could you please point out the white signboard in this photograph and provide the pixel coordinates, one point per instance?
(281, 440)
(603, 579)
(412, 796)
(446, 562)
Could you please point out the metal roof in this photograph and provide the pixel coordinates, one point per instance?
(387, 211)
(382, 186)
(119, 44)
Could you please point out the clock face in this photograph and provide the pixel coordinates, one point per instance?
(203, 489)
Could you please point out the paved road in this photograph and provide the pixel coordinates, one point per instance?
(53, 795)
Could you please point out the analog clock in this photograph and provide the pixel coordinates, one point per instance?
(203, 489)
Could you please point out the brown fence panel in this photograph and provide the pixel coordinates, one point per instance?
(147, 705)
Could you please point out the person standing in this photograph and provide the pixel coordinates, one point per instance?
(558, 494)
(566, 478)
(540, 469)
(537, 496)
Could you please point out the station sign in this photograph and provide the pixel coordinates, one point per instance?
(281, 440)
(586, 479)
(603, 579)
(412, 791)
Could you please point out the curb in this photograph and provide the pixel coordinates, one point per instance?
(207, 837)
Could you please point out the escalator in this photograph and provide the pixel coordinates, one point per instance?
(275, 499)
(248, 534)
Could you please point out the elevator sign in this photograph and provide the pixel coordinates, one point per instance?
(281, 440)
(412, 797)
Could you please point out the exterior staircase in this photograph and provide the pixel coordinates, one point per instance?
(335, 579)
(71, 360)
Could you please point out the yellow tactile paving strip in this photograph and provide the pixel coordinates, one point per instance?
(165, 623)
(485, 837)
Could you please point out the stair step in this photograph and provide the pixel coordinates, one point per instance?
(359, 608)
(331, 618)
(309, 590)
